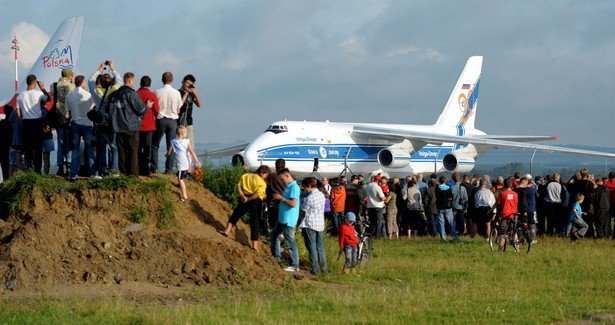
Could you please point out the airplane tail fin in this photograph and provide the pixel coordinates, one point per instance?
(460, 109)
(61, 52)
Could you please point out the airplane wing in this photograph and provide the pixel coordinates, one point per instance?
(418, 139)
(225, 152)
(519, 138)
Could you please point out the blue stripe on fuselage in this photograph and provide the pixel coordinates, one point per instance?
(338, 152)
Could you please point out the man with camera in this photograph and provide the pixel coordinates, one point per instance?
(101, 86)
(190, 97)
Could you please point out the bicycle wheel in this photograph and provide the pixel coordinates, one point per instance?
(514, 239)
(527, 239)
(493, 237)
(367, 251)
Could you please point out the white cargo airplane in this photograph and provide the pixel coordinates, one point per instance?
(62, 51)
(450, 145)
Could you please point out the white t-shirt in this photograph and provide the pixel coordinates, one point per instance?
(182, 156)
(29, 102)
(374, 196)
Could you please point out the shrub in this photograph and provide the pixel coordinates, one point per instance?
(223, 182)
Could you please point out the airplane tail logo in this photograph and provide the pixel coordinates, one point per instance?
(460, 109)
(61, 52)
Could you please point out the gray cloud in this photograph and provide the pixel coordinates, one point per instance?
(548, 66)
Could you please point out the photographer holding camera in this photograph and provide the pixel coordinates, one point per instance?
(190, 97)
(102, 84)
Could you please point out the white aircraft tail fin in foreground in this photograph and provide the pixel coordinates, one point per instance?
(460, 109)
(61, 52)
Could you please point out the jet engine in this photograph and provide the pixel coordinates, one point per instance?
(458, 162)
(237, 159)
(394, 157)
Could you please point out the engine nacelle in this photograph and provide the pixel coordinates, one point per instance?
(394, 157)
(237, 159)
(456, 162)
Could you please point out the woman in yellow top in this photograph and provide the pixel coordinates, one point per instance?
(251, 188)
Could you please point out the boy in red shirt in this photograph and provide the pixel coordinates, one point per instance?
(507, 207)
(348, 242)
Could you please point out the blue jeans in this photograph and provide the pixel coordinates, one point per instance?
(289, 238)
(338, 218)
(79, 131)
(448, 214)
(350, 253)
(164, 127)
(432, 223)
(63, 136)
(315, 245)
(105, 141)
(377, 224)
(459, 219)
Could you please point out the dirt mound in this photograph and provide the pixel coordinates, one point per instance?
(86, 237)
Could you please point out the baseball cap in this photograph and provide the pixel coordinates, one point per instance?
(528, 176)
(351, 217)
(66, 72)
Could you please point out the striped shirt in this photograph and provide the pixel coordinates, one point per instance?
(314, 208)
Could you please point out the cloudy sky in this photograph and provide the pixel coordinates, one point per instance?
(549, 66)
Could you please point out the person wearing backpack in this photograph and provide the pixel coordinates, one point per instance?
(102, 83)
(60, 90)
(126, 109)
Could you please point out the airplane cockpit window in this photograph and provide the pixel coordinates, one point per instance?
(277, 128)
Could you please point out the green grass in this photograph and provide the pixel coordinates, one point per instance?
(408, 282)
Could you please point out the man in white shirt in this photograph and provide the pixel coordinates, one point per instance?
(375, 208)
(78, 102)
(28, 110)
(170, 102)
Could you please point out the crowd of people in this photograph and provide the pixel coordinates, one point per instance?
(464, 205)
(102, 125)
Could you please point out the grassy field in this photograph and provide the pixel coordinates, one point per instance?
(423, 281)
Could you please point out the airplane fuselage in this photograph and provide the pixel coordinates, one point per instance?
(329, 149)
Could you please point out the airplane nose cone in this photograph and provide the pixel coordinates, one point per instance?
(250, 157)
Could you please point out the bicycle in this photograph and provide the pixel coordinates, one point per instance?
(518, 235)
(366, 244)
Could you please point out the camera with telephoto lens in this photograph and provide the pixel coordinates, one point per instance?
(107, 62)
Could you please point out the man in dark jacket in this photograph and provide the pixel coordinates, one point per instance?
(431, 210)
(126, 109)
(444, 199)
(601, 209)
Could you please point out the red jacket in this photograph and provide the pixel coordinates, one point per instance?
(347, 236)
(611, 185)
(148, 123)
